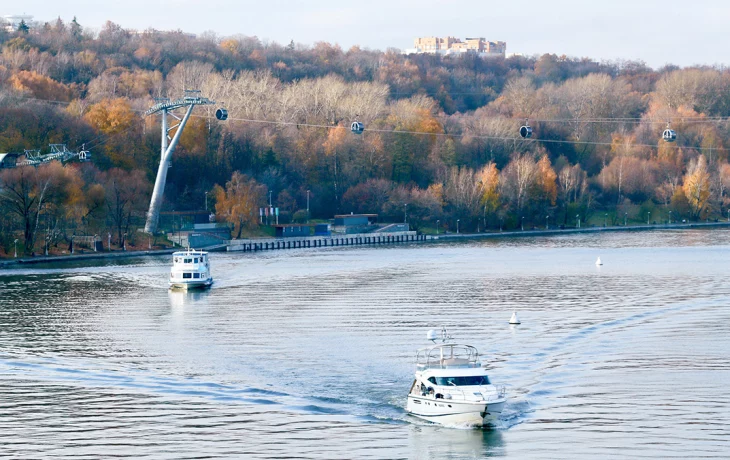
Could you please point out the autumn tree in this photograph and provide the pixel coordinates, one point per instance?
(368, 197)
(546, 181)
(723, 186)
(697, 186)
(518, 178)
(115, 117)
(127, 197)
(335, 139)
(489, 180)
(238, 204)
(111, 116)
(41, 86)
(464, 191)
(29, 191)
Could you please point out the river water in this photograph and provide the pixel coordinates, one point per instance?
(310, 353)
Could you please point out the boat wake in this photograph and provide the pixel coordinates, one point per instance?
(78, 373)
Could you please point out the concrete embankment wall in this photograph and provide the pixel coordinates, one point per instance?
(557, 231)
(81, 257)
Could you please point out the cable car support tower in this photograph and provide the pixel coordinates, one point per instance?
(166, 107)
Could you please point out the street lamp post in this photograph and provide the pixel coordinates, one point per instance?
(15, 244)
(307, 206)
(501, 224)
(405, 213)
(457, 226)
(648, 217)
(605, 219)
(577, 217)
(437, 226)
(670, 217)
(626, 216)
(206, 201)
(522, 226)
(546, 222)
(270, 198)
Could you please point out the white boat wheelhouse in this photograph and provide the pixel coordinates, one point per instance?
(190, 269)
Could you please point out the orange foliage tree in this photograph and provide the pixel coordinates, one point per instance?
(111, 116)
(238, 203)
(697, 186)
(40, 86)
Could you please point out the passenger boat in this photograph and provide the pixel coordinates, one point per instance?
(190, 270)
(452, 388)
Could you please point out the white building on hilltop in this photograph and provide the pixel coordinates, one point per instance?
(451, 45)
(11, 22)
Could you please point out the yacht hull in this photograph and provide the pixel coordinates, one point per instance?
(202, 284)
(450, 412)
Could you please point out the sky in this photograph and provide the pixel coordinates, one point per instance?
(682, 33)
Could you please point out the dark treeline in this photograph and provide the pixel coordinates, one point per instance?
(440, 142)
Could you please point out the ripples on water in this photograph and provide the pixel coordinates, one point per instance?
(310, 353)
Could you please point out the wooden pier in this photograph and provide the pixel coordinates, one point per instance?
(363, 239)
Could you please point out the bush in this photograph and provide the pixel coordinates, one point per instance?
(300, 217)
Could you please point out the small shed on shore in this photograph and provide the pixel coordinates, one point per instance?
(322, 230)
(351, 220)
(290, 230)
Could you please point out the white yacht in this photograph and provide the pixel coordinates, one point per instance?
(452, 388)
(190, 270)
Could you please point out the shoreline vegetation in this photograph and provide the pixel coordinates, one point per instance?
(433, 238)
(611, 142)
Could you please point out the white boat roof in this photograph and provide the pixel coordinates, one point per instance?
(190, 252)
(447, 356)
(450, 346)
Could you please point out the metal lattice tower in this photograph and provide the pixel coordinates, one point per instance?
(166, 107)
(34, 157)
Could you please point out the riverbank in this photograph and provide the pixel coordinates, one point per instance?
(558, 231)
(79, 257)
(289, 243)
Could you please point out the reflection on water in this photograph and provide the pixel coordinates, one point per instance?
(430, 441)
(311, 353)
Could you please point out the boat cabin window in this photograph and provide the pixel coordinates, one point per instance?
(460, 381)
(195, 260)
(187, 275)
(187, 261)
(196, 275)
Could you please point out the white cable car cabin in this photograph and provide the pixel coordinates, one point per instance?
(357, 127)
(669, 135)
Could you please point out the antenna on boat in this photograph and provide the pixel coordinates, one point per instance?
(433, 336)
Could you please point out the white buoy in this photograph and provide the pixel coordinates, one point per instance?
(598, 261)
(514, 319)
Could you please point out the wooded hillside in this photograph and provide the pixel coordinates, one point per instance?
(441, 134)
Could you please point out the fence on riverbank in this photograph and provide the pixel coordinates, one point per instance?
(264, 244)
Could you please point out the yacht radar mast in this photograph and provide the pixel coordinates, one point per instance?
(433, 335)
